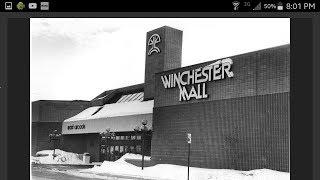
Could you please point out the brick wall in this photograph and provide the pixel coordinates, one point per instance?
(257, 73)
(48, 116)
(240, 133)
(55, 111)
(81, 143)
(40, 135)
(243, 124)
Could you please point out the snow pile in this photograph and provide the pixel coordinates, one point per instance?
(133, 157)
(61, 157)
(176, 172)
(168, 171)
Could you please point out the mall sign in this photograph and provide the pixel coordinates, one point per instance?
(192, 83)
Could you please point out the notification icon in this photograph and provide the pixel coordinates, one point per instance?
(32, 5)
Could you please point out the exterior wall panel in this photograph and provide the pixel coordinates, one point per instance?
(51, 112)
(82, 143)
(239, 133)
(273, 71)
(48, 116)
(40, 135)
(243, 124)
(261, 72)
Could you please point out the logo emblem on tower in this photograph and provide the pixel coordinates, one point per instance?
(153, 40)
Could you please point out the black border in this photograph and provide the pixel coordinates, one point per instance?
(3, 98)
(316, 99)
(301, 55)
(18, 99)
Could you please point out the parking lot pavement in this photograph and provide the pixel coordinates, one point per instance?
(58, 172)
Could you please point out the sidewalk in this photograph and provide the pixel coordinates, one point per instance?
(109, 175)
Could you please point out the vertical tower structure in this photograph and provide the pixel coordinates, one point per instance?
(163, 52)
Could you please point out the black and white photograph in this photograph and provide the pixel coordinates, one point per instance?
(160, 98)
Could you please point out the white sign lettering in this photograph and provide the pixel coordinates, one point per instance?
(81, 126)
(197, 78)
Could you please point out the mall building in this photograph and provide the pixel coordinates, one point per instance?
(235, 108)
(47, 116)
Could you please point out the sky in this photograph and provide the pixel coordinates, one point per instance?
(79, 58)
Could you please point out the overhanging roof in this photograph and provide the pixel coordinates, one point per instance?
(118, 117)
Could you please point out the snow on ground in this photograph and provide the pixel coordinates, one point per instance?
(62, 157)
(133, 157)
(176, 172)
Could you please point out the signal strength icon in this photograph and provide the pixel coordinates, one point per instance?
(258, 7)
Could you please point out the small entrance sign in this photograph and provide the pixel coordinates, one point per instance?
(189, 143)
(189, 138)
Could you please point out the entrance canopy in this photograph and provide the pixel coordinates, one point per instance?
(118, 117)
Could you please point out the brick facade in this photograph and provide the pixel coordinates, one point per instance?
(40, 135)
(242, 133)
(243, 124)
(81, 143)
(48, 116)
(256, 73)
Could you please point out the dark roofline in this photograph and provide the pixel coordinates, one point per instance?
(122, 90)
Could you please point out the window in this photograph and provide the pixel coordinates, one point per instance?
(121, 149)
(132, 149)
(131, 97)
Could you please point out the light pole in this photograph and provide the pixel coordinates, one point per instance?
(143, 131)
(106, 136)
(54, 136)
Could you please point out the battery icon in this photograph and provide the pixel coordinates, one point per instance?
(280, 6)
